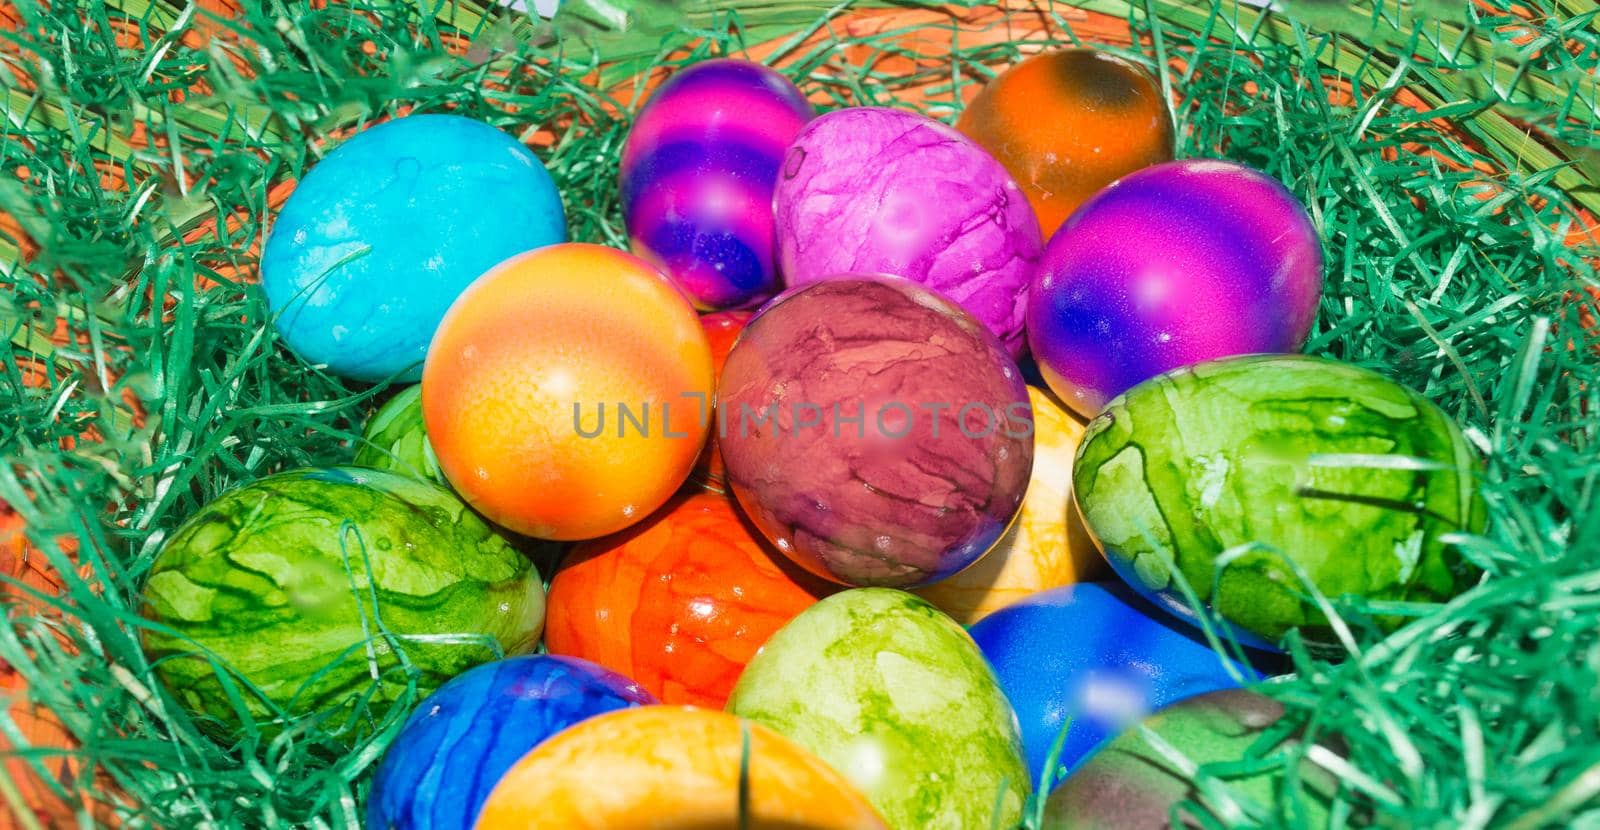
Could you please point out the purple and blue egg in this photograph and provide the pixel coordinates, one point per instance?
(463, 737)
(1099, 655)
(383, 234)
(1175, 264)
(698, 173)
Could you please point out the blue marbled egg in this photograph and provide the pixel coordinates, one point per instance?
(464, 736)
(383, 234)
(1099, 654)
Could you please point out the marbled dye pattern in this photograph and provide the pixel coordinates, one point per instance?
(1047, 546)
(437, 772)
(395, 439)
(895, 695)
(898, 447)
(1069, 122)
(1132, 785)
(679, 602)
(282, 578)
(1096, 654)
(387, 230)
(698, 171)
(871, 190)
(673, 768)
(525, 383)
(722, 331)
(1308, 458)
(1178, 263)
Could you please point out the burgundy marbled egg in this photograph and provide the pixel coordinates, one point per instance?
(874, 431)
(872, 190)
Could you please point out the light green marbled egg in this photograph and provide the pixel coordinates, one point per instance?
(1351, 476)
(303, 586)
(897, 697)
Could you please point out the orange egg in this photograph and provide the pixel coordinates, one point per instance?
(679, 602)
(673, 768)
(566, 392)
(1069, 122)
(1046, 546)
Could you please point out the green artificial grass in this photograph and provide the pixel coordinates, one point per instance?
(142, 140)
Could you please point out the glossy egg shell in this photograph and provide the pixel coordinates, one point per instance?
(1132, 785)
(523, 388)
(438, 771)
(679, 602)
(873, 190)
(384, 233)
(1046, 546)
(1098, 655)
(1178, 470)
(281, 579)
(897, 697)
(1069, 122)
(673, 768)
(859, 475)
(1175, 264)
(697, 175)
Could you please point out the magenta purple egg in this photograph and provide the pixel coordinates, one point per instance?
(1173, 265)
(875, 432)
(872, 190)
(698, 172)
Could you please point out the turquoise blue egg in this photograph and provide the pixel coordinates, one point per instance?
(383, 234)
(1098, 654)
(464, 736)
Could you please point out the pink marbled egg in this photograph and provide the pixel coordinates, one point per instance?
(872, 190)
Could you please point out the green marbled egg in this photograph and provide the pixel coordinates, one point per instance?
(306, 583)
(395, 439)
(1130, 784)
(897, 697)
(1349, 474)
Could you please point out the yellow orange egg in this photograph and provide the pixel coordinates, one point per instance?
(1046, 547)
(673, 768)
(566, 391)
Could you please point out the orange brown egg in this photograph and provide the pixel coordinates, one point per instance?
(1069, 122)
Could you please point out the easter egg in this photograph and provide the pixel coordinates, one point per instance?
(896, 696)
(1096, 655)
(875, 432)
(1178, 263)
(1069, 122)
(1347, 474)
(282, 581)
(697, 174)
(872, 190)
(567, 392)
(463, 737)
(384, 233)
(1133, 785)
(1046, 546)
(679, 602)
(673, 768)
(395, 439)
(722, 330)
